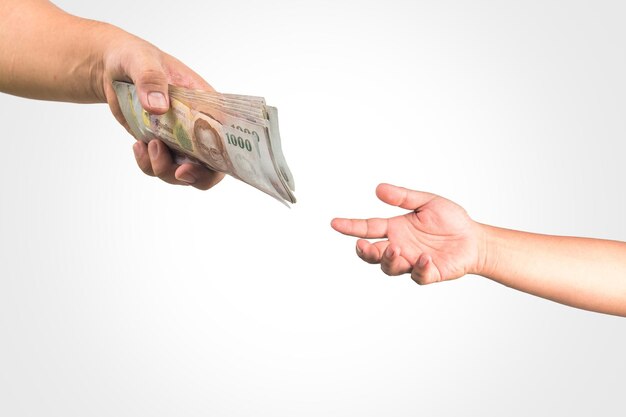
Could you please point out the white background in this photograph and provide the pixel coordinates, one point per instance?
(122, 295)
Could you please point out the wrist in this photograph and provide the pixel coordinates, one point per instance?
(486, 258)
(105, 39)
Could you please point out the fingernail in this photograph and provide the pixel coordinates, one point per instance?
(187, 177)
(389, 252)
(359, 250)
(153, 150)
(423, 261)
(157, 100)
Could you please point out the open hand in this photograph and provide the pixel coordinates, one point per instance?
(436, 241)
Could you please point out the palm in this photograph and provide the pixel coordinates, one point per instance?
(436, 231)
(440, 228)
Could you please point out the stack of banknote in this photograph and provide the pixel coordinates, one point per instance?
(234, 134)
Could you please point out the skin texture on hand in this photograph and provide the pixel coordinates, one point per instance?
(48, 54)
(435, 241)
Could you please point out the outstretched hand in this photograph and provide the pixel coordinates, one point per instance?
(435, 241)
(151, 70)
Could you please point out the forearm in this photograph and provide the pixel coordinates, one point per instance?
(48, 54)
(580, 272)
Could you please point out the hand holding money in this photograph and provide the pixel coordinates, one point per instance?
(234, 134)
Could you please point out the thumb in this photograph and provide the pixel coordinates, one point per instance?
(150, 79)
(402, 197)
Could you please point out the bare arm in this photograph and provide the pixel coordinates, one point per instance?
(581, 272)
(48, 54)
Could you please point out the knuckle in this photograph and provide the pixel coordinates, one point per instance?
(370, 260)
(147, 171)
(152, 78)
(418, 278)
(170, 180)
(145, 167)
(158, 169)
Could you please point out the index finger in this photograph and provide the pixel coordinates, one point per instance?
(375, 228)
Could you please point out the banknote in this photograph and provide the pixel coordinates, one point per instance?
(234, 134)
